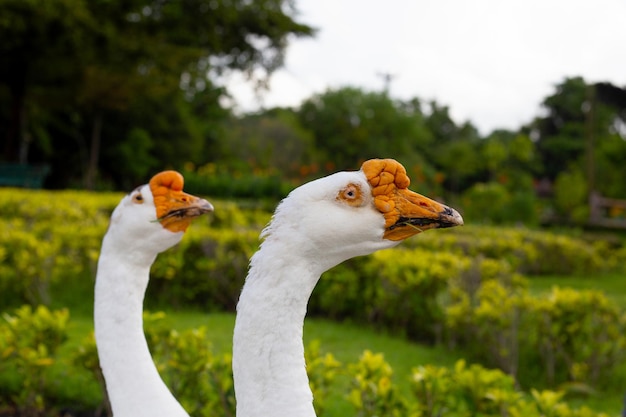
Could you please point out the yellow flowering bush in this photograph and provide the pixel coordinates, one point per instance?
(581, 333)
(528, 251)
(29, 339)
(460, 286)
(322, 369)
(202, 380)
(477, 391)
(373, 393)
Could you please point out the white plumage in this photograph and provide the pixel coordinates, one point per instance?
(148, 221)
(318, 226)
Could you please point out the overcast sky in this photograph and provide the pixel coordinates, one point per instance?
(490, 61)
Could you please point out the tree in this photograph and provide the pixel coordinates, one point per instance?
(570, 195)
(454, 151)
(609, 154)
(39, 44)
(561, 133)
(273, 141)
(351, 125)
(104, 55)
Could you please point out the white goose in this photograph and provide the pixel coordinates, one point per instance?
(148, 221)
(317, 226)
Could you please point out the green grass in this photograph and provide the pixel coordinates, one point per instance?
(345, 341)
(613, 285)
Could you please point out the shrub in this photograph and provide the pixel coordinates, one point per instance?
(489, 324)
(580, 332)
(206, 269)
(493, 203)
(29, 340)
(201, 380)
(48, 238)
(571, 336)
(460, 286)
(322, 369)
(372, 391)
(570, 196)
(408, 286)
(528, 251)
(476, 391)
(215, 181)
(86, 357)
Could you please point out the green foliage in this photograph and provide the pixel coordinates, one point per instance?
(38, 241)
(581, 332)
(494, 203)
(488, 321)
(29, 340)
(247, 182)
(272, 142)
(561, 134)
(476, 391)
(31, 262)
(322, 370)
(487, 202)
(532, 252)
(119, 67)
(134, 155)
(208, 268)
(86, 357)
(200, 380)
(578, 336)
(350, 125)
(373, 392)
(408, 285)
(397, 290)
(496, 153)
(610, 153)
(570, 196)
(459, 287)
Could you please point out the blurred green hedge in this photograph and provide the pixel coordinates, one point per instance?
(202, 380)
(463, 287)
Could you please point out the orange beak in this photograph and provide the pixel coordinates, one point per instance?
(406, 212)
(174, 208)
(416, 213)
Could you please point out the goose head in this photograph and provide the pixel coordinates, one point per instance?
(155, 216)
(355, 213)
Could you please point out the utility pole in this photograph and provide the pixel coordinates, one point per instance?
(590, 107)
(387, 79)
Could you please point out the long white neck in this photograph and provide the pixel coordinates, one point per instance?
(268, 353)
(133, 383)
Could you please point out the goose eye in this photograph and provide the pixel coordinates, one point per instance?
(138, 198)
(351, 195)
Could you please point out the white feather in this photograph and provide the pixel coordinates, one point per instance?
(311, 232)
(129, 248)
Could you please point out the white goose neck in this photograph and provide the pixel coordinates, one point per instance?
(133, 383)
(268, 353)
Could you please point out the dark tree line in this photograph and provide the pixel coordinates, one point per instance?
(104, 89)
(576, 146)
(107, 91)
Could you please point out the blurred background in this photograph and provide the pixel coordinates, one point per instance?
(521, 100)
(512, 112)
